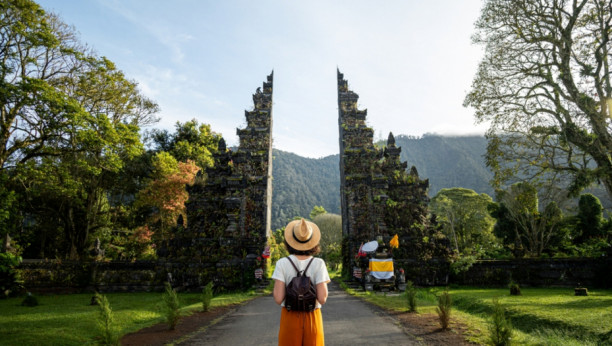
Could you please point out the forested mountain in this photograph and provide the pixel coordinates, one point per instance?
(301, 183)
(448, 161)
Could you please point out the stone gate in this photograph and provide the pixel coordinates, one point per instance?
(229, 208)
(379, 199)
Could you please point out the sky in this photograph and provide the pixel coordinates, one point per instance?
(411, 61)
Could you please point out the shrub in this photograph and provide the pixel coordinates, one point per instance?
(500, 329)
(105, 321)
(10, 282)
(29, 300)
(444, 309)
(515, 289)
(411, 296)
(171, 307)
(207, 295)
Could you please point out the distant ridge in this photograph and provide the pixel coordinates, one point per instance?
(447, 161)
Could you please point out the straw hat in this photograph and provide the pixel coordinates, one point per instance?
(302, 235)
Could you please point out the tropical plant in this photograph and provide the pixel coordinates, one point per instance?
(207, 295)
(444, 308)
(105, 321)
(411, 296)
(500, 328)
(171, 306)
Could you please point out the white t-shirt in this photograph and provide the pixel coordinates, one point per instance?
(317, 272)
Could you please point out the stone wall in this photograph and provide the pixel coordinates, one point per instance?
(55, 276)
(52, 276)
(564, 272)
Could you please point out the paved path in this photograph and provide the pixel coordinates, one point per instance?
(347, 321)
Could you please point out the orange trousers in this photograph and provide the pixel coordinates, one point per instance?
(299, 328)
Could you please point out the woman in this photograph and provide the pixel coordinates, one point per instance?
(302, 242)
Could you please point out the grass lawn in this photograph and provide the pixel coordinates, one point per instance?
(70, 320)
(540, 316)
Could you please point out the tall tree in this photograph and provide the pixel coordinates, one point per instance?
(533, 230)
(37, 51)
(190, 141)
(590, 218)
(331, 236)
(69, 121)
(466, 219)
(544, 86)
(166, 193)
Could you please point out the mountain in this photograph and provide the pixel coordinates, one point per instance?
(448, 161)
(300, 183)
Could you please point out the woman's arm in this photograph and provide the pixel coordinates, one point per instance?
(279, 292)
(321, 292)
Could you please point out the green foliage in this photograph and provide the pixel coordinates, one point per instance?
(500, 329)
(73, 124)
(522, 99)
(466, 220)
(8, 199)
(462, 264)
(316, 211)
(515, 289)
(521, 225)
(590, 219)
(331, 237)
(29, 300)
(444, 308)
(301, 183)
(171, 307)
(207, 296)
(190, 141)
(105, 321)
(411, 293)
(10, 282)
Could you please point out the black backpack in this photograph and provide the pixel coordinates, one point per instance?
(301, 293)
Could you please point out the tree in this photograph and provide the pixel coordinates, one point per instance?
(69, 121)
(37, 52)
(545, 87)
(530, 230)
(466, 219)
(191, 141)
(166, 191)
(331, 236)
(316, 211)
(590, 218)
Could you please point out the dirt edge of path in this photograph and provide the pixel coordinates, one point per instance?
(159, 334)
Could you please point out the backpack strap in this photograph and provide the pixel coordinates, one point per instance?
(311, 259)
(294, 267)
(300, 273)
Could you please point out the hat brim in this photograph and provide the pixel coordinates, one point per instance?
(310, 244)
